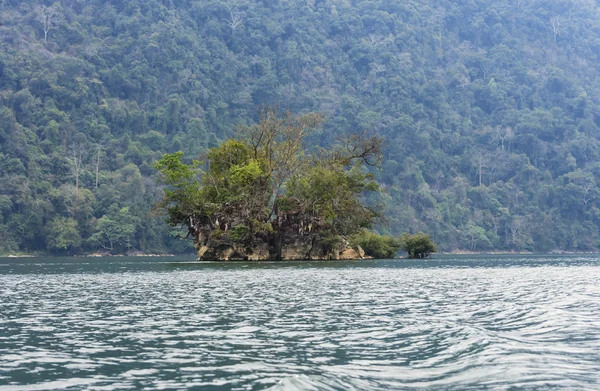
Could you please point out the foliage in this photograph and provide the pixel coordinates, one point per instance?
(63, 235)
(115, 230)
(239, 233)
(331, 192)
(268, 178)
(375, 245)
(418, 245)
(181, 195)
(490, 110)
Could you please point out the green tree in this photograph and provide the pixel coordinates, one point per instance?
(418, 245)
(267, 182)
(475, 237)
(114, 230)
(62, 234)
(375, 245)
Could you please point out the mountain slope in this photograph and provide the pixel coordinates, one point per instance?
(490, 109)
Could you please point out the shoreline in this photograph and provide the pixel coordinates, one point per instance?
(103, 255)
(194, 259)
(553, 252)
(92, 255)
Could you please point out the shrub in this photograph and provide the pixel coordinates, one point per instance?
(239, 233)
(418, 245)
(375, 245)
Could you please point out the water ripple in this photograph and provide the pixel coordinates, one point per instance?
(348, 326)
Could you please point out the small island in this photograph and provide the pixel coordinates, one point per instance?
(264, 196)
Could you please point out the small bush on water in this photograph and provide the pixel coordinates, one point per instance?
(418, 245)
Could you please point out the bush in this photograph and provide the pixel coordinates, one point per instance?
(375, 245)
(239, 233)
(418, 245)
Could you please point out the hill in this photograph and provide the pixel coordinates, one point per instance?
(490, 109)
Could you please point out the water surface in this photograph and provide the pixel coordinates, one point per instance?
(454, 323)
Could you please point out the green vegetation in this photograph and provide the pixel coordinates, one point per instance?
(268, 185)
(418, 245)
(377, 246)
(490, 110)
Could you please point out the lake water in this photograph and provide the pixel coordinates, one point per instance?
(454, 323)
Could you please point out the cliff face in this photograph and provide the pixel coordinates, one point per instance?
(291, 235)
(273, 247)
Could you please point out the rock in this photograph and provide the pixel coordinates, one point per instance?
(349, 254)
(209, 256)
(258, 252)
(295, 246)
(293, 254)
(224, 253)
(201, 251)
(237, 256)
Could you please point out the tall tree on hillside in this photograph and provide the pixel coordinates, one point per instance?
(480, 161)
(48, 16)
(77, 154)
(555, 22)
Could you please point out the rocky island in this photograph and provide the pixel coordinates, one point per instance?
(264, 196)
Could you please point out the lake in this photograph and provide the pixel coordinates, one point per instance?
(450, 323)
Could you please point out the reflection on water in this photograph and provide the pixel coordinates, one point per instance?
(452, 323)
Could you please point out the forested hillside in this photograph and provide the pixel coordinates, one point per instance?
(490, 110)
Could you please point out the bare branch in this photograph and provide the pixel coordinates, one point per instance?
(480, 161)
(360, 147)
(48, 16)
(504, 134)
(376, 40)
(236, 18)
(91, 49)
(555, 23)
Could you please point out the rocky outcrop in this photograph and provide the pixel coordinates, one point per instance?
(291, 236)
(293, 247)
(233, 252)
(216, 246)
(353, 253)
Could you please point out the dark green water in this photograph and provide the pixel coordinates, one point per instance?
(506, 323)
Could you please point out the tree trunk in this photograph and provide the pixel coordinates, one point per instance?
(97, 168)
(278, 246)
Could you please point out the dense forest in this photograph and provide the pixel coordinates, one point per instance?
(490, 110)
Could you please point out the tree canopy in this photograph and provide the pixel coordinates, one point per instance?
(418, 245)
(268, 182)
(377, 246)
